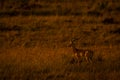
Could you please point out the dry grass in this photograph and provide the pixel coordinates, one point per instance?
(45, 63)
(34, 40)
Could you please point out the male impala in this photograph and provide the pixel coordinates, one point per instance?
(81, 54)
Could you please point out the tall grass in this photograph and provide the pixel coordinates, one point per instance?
(35, 34)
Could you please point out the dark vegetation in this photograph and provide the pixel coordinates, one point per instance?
(48, 8)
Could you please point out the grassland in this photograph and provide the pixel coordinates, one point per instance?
(34, 39)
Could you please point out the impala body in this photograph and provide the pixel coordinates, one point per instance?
(81, 54)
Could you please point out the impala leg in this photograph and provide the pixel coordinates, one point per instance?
(90, 60)
(74, 59)
(86, 58)
(80, 61)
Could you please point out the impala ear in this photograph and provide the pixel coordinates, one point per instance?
(74, 39)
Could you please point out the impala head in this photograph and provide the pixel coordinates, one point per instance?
(71, 44)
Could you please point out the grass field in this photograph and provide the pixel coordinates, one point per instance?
(35, 34)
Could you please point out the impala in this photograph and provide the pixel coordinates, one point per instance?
(81, 54)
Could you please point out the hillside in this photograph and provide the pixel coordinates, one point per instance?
(35, 34)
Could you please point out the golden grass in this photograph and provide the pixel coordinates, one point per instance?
(35, 47)
(44, 63)
(38, 49)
